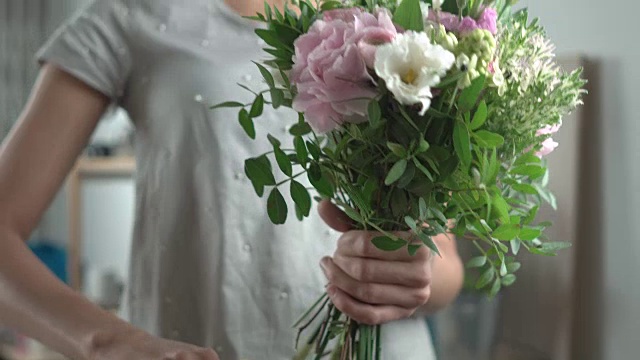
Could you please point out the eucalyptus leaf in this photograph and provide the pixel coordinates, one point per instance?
(314, 150)
(508, 280)
(277, 98)
(476, 262)
(422, 204)
(397, 149)
(495, 288)
(525, 189)
(486, 278)
(428, 241)
(515, 246)
(532, 171)
(259, 170)
(413, 249)
(529, 233)
(375, 113)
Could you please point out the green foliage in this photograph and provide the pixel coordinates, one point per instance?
(408, 15)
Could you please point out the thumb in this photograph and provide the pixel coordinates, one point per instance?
(334, 217)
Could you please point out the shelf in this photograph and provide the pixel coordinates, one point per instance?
(107, 166)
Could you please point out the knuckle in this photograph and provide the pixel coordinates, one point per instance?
(423, 296)
(365, 292)
(423, 278)
(371, 318)
(362, 271)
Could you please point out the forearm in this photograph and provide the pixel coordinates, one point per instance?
(34, 302)
(448, 275)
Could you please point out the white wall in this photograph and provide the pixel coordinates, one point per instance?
(607, 32)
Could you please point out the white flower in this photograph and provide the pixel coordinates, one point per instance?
(424, 8)
(410, 65)
(437, 4)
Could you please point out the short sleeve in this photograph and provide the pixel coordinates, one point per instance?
(93, 46)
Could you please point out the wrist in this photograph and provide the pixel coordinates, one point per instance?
(108, 336)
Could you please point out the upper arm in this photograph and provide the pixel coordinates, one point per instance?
(35, 158)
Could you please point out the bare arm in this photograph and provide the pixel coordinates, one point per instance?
(34, 161)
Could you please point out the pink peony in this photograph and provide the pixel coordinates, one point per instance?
(488, 20)
(330, 66)
(549, 144)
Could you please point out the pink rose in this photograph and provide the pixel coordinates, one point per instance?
(549, 144)
(330, 66)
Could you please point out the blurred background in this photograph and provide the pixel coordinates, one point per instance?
(583, 305)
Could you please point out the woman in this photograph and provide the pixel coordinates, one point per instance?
(210, 276)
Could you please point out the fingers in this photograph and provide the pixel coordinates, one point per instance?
(334, 217)
(385, 272)
(359, 244)
(201, 354)
(375, 293)
(366, 313)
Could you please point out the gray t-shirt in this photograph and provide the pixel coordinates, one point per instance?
(207, 265)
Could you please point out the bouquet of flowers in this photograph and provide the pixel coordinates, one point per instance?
(430, 117)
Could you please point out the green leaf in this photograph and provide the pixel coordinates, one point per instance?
(476, 262)
(513, 267)
(277, 207)
(397, 149)
(508, 280)
(330, 5)
(413, 249)
(480, 117)
(422, 204)
(528, 158)
(532, 171)
(488, 139)
(411, 223)
(503, 268)
(314, 150)
(428, 241)
(283, 161)
(301, 150)
(273, 140)
(257, 107)
(532, 215)
(423, 169)
(469, 96)
(407, 177)
(495, 288)
(300, 129)
(375, 113)
(397, 170)
(301, 197)
(486, 277)
(266, 74)
(529, 233)
(247, 123)
(525, 189)
(259, 170)
(515, 246)
(506, 232)
(423, 146)
(399, 202)
(322, 185)
(228, 104)
(555, 246)
(462, 143)
(277, 98)
(408, 15)
(502, 208)
(385, 243)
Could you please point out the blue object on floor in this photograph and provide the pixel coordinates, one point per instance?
(53, 256)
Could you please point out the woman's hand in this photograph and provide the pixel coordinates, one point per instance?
(370, 285)
(138, 345)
